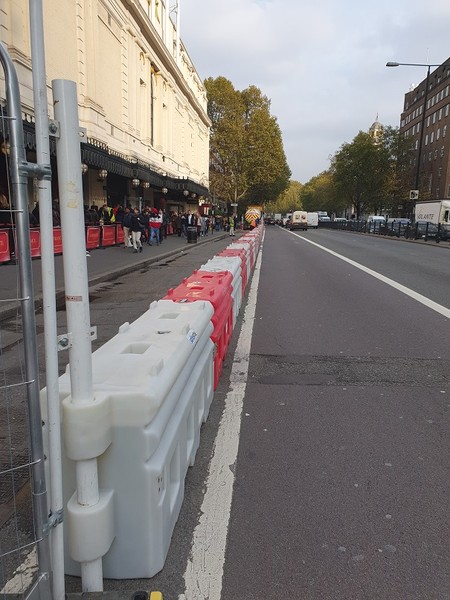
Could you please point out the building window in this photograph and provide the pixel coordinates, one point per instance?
(446, 111)
(442, 151)
(438, 134)
(444, 131)
(432, 137)
(434, 118)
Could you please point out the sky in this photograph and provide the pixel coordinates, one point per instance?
(320, 62)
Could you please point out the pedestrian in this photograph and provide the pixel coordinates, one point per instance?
(178, 223)
(232, 224)
(126, 226)
(106, 215)
(137, 224)
(184, 218)
(155, 225)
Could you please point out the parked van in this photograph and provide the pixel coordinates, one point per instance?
(375, 222)
(299, 220)
(313, 220)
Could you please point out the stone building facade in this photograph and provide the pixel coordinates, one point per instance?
(140, 98)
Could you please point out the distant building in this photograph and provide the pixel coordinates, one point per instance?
(376, 131)
(140, 98)
(425, 119)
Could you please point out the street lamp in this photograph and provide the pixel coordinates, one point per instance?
(422, 124)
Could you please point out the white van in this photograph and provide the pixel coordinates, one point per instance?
(299, 220)
(375, 222)
(313, 220)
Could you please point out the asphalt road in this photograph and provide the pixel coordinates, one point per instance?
(342, 484)
(342, 480)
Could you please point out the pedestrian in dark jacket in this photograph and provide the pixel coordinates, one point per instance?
(126, 226)
(137, 225)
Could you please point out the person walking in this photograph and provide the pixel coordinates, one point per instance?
(126, 226)
(137, 225)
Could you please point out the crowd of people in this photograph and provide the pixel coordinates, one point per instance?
(147, 226)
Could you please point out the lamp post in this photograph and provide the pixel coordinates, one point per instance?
(422, 124)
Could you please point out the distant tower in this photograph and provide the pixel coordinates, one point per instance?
(376, 131)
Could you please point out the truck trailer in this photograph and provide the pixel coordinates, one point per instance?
(433, 211)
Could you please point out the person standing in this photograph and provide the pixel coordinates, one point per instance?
(137, 224)
(155, 225)
(232, 223)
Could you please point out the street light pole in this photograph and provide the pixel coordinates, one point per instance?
(422, 123)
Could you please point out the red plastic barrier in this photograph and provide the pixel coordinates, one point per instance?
(216, 288)
(5, 250)
(243, 256)
(108, 235)
(57, 240)
(120, 236)
(92, 237)
(35, 243)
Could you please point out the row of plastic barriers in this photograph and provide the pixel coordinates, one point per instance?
(153, 386)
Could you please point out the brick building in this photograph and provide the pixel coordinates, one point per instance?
(429, 131)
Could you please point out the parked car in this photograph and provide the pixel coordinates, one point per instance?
(397, 226)
(424, 230)
(269, 221)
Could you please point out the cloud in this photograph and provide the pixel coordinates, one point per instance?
(322, 64)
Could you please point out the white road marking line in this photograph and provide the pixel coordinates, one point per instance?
(398, 286)
(203, 575)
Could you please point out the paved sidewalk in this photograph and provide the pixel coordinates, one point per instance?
(103, 265)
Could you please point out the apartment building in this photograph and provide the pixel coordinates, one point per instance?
(425, 119)
(140, 98)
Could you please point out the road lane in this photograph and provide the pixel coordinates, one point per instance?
(423, 267)
(342, 475)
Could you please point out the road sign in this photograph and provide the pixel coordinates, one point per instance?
(414, 194)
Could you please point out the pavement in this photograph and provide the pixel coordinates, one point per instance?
(104, 264)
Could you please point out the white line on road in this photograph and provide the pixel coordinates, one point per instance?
(203, 576)
(398, 286)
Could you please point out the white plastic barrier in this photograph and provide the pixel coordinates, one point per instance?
(252, 241)
(232, 264)
(153, 387)
(248, 253)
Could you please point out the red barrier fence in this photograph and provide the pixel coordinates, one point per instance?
(97, 236)
(216, 287)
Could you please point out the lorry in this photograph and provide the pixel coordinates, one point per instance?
(433, 211)
(253, 215)
(299, 220)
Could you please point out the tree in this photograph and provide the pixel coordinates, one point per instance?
(319, 193)
(248, 163)
(359, 173)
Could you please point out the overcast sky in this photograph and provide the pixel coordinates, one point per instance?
(320, 62)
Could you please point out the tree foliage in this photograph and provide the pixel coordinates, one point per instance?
(370, 174)
(248, 163)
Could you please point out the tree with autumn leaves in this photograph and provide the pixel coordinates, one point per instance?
(247, 160)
